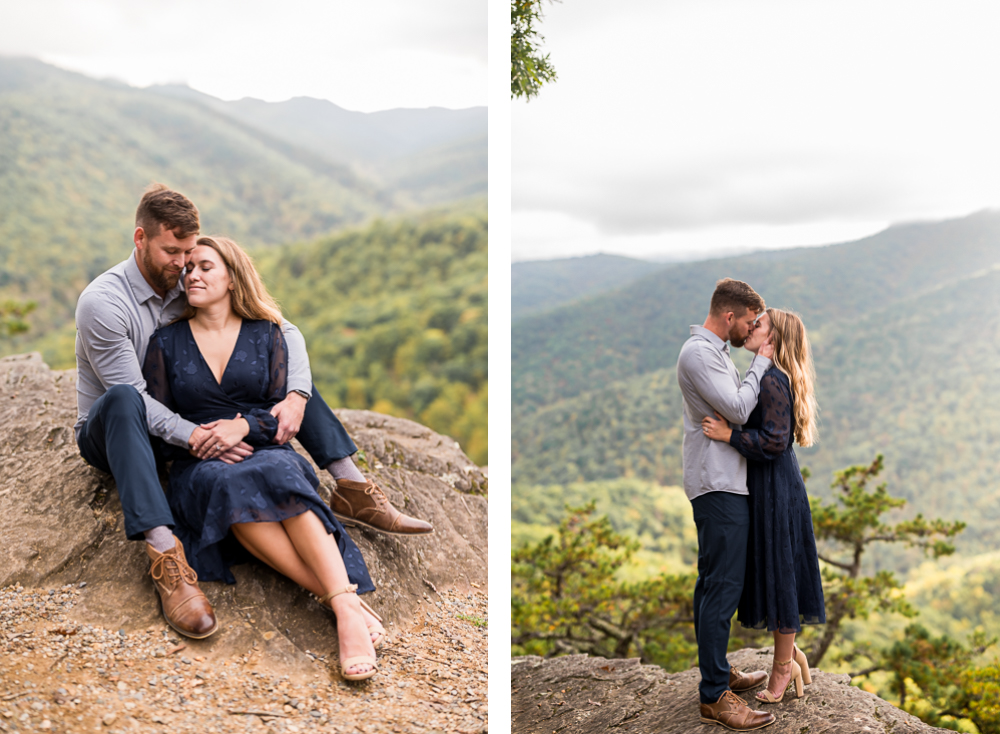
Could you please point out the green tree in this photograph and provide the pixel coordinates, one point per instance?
(565, 598)
(529, 70)
(844, 531)
(12, 315)
(980, 701)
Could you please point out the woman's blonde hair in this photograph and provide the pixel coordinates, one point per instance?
(250, 298)
(793, 357)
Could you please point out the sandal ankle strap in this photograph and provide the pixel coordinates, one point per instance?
(349, 589)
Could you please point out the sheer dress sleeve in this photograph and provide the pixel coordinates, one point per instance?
(771, 439)
(263, 425)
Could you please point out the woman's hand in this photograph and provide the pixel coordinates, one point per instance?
(716, 428)
(211, 440)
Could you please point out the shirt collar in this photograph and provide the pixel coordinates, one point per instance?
(711, 337)
(143, 290)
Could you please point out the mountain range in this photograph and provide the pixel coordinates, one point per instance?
(905, 328)
(76, 154)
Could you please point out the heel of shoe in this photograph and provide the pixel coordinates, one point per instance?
(800, 658)
(797, 679)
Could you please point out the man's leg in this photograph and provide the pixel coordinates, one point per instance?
(114, 439)
(356, 500)
(723, 522)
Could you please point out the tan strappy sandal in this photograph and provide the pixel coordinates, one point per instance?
(357, 659)
(766, 696)
(800, 658)
(379, 632)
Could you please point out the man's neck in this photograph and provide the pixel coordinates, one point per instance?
(717, 328)
(145, 276)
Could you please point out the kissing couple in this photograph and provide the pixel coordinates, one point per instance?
(756, 550)
(181, 351)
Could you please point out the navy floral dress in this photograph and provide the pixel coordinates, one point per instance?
(782, 589)
(272, 484)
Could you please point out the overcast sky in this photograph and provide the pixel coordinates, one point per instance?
(702, 126)
(365, 56)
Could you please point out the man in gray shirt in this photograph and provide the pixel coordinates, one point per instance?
(715, 480)
(116, 315)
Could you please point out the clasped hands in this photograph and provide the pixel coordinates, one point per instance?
(223, 439)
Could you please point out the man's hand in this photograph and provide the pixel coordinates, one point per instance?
(289, 413)
(766, 349)
(211, 440)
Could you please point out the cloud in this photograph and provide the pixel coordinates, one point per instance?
(685, 115)
(364, 56)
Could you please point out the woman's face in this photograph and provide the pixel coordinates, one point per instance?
(207, 281)
(761, 330)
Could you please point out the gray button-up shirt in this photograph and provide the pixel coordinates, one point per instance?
(710, 381)
(115, 316)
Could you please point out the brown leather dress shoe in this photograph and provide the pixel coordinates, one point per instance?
(364, 503)
(732, 712)
(740, 681)
(185, 606)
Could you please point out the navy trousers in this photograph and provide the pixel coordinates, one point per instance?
(114, 439)
(723, 523)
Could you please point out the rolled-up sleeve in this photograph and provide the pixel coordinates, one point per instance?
(103, 329)
(299, 374)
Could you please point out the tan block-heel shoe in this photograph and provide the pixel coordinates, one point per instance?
(800, 658)
(356, 659)
(379, 632)
(766, 696)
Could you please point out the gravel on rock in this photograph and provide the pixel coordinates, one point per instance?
(61, 676)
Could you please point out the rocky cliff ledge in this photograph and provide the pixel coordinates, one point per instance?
(584, 695)
(61, 523)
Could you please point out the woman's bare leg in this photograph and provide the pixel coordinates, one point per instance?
(271, 543)
(784, 649)
(320, 552)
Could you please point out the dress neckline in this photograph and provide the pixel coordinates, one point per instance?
(218, 381)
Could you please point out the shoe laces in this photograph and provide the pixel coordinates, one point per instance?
(169, 565)
(376, 493)
(735, 700)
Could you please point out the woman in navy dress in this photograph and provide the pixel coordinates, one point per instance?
(223, 365)
(782, 589)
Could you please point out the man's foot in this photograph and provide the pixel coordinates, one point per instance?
(740, 681)
(185, 606)
(364, 503)
(732, 712)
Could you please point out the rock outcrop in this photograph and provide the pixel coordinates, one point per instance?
(578, 694)
(61, 522)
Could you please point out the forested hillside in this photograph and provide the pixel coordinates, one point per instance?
(394, 308)
(905, 330)
(541, 285)
(424, 156)
(395, 318)
(76, 153)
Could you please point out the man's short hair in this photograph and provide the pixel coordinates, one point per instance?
(735, 295)
(162, 208)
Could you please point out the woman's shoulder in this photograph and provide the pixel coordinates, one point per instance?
(171, 330)
(262, 326)
(775, 375)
